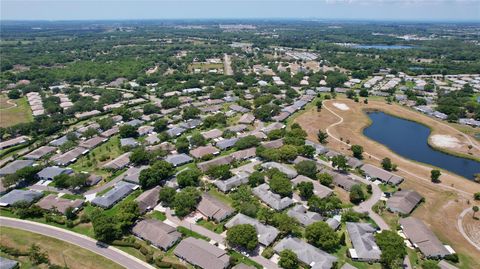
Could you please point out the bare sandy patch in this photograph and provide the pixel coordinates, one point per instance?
(445, 141)
(341, 106)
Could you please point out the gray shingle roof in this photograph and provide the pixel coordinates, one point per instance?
(318, 189)
(175, 131)
(119, 162)
(7, 263)
(133, 173)
(148, 199)
(19, 195)
(404, 201)
(158, 233)
(113, 196)
(69, 156)
(48, 173)
(178, 159)
(382, 175)
(306, 253)
(304, 217)
(422, 237)
(14, 166)
(213, 208)
(290, 172)
(39, 153)
(226, 143)
(266, 233)
(202, 254)
(233, 182)
(273, 200)
(363, 241)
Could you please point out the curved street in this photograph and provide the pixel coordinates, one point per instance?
(82, 241)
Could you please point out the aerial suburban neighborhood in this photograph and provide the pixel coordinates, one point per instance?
(242, 144)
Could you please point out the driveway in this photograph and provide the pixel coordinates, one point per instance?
(82, 241)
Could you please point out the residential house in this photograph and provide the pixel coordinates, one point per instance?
(313, 257)
(121, 190)
(364, 246)
(132, 175)
(203, 151)
(202, 254)
(273, 200)
(204, 166)
(266, 234)
(178, 159)
(226, 143)
(39, 153)
(128, 142)
(58, 204)
(49, 173)
(13, 142)
(213, 208)
(69, 156)
(404, 201)
(290, 172)
(148, 199)
(318, 189)
(16, 196)
(157, 233)
(373, 172)
(119, 162)
(14, 166)
(303, 216)
(233, 182)
(212, 134)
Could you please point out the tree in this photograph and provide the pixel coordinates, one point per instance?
(189, 177)
(150, 109)
(475, 210)
(351, 94)
(387, 164)
(392, 247)
(435, 175)
(321, 235)
(325, 179)
(70, 181)
(319, 105)
(363, 92)
(356, 194)
(160, 125)
(217, 93)
(306, 189)
(340, 162)
(288, 259)
(307, 168)
(322, 137)
(37, 256)
(190, 112)
(14, 94)
(105, 228)
(324, 205)
(280, 184)
(167, 195)
(182, 144)
(185, 201)
(128, 131)
(266, 112)
(357, 151)
(171, 102)
(256, 178)
(28, 173)
(284, 223)
(476, 196)
(245, 202)
(126, 215)
(221, 172)
(243, 235)
(106, 123)
(140, 156)
(152, 176)
(287, 153)
(90, 132)
(247, 142)
(197, 140)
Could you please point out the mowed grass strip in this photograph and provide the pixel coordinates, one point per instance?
(10, 115)
(59, 252)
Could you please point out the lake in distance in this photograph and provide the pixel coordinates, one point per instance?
(410, 140)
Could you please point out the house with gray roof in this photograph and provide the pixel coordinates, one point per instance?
(49, 173)
(318, 189)
(314, 257)
(404, 201)
(132, 175)
(233, 182)
(238, 108)
(8, 264)
(39, 153)
(204, 166)
(290, 172)
(274, 144)
(59, 204)
(212, 208)
(266, 233)
(92, 142)
(341, 180)
(423, 238)
(119, 162)
(134, 122)
(121, 190)
(373, 172)
(191, 124)
(203, 151)
(15, 196)
(244, 154)
(178, 159)
(202, 254)
(128, 142)
(334, 222)
(60, 141)
(273, 200)
(272, 127)
(212, 134)
(175, 131)
(157, 233)
(319, 149)
(364, 246)
(303, 216)
(148, 199)
(69, 156)
(14, 166)
(226, 143)
(246, 118)
(110, 132)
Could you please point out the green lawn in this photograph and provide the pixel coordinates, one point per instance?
(220, 196)
(242, 259)
(212, 226)
(189, 233)
(59, 252)
(10, 115)
(157, 215)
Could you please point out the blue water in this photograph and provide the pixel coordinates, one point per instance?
(382, 47)
(409, 139)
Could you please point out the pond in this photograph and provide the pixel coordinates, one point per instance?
(382, 47)
(409, 139)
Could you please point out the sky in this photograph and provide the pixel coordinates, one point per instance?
(392, 10)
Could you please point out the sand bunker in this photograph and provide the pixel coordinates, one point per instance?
(341, 106)
(445, 141)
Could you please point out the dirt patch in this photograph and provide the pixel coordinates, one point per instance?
(472, 226)
(445, 141)
(341, 106)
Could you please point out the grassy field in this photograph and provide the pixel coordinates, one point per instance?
(11, 115)
(205, 66)
(59, 252)
(442, 206)
(93, 161)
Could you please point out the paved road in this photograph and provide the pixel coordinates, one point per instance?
(469, 194)
(462, 231)
(220, 238)
(82, 241)
(227, 65)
